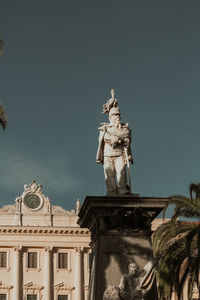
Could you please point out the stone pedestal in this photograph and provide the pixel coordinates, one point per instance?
(120, 234)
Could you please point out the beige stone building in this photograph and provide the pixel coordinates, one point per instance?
(44, 255)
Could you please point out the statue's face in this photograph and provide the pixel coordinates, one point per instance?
(114, 118)
(132, 269)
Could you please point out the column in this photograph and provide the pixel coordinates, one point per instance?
(47, 273)
(78, 275)
(16, 273)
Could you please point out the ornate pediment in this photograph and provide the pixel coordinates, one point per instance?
(4, 286)
(62, 286)
(31, 286)
(8, 209)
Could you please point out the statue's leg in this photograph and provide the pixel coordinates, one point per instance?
(120, 167)
(109, 171)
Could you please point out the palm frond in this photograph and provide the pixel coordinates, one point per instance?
(176, 243)
(3, 117)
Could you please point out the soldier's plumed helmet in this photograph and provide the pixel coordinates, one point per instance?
(114, 111)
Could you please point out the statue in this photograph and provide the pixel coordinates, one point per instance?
(114, 150)
(130, 284)
(78, 206)
(134, 285)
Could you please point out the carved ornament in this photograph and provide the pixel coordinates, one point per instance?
(17, 248)
(8, 209)
(129, 221)
(62, 286)
(44, 231)
(4, 286)
(59, 210)
(79, 250)
(31, 286)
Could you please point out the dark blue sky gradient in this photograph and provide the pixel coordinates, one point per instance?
(61, 59)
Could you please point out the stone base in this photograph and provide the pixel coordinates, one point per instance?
(120, 234)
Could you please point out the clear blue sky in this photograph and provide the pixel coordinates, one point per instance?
(61, 58)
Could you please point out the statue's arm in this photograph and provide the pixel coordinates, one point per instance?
(122, 282)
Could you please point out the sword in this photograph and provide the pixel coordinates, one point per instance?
(128, 165)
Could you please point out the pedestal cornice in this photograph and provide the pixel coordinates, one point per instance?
(96, 206)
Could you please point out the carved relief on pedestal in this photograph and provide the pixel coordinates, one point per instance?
(130, 221)
(133, 285)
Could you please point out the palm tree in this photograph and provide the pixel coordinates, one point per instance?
(176, 243)
(3, 117)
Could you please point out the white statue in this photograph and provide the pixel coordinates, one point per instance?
(114, 150)
(134, 285)
(78, 206)
(130, 284)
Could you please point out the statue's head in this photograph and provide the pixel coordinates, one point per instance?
(132, 268)
(114, 115)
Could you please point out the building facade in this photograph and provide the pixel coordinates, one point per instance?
(44, 254)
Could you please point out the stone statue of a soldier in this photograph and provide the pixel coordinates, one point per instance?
(114, 150)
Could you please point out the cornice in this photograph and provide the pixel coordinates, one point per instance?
(44, 230)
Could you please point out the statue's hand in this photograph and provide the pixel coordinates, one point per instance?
(99, 161)
(130, 158)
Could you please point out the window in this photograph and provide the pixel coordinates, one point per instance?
(62, 297)
(62, 262)
(32, 262)
(2, 296)
(3, 258)
(31, 297)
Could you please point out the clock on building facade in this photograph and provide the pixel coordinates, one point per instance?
(32, 201)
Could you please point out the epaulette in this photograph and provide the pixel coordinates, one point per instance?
(103, 125)
(125, 125)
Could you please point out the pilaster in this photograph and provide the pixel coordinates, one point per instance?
(17, 273)
(47, 273)
(78, 274)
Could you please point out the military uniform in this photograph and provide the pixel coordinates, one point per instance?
(113, 142)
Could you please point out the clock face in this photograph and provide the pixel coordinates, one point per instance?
(32, 201)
